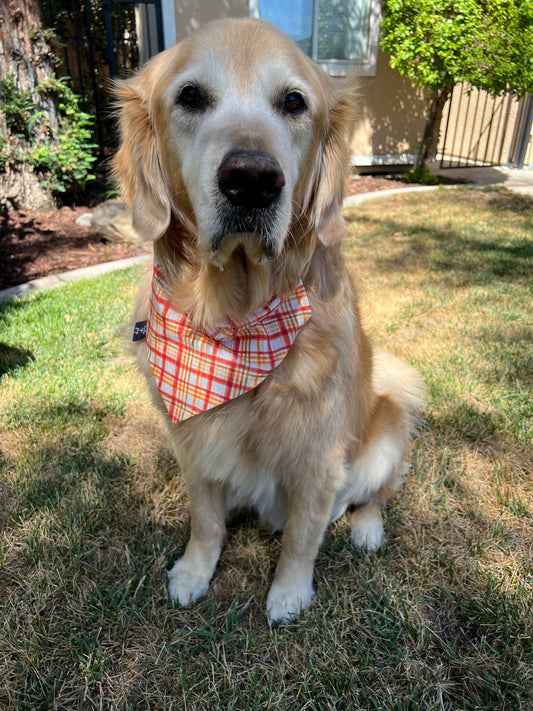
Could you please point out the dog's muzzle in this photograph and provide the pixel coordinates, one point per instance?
(250, 185)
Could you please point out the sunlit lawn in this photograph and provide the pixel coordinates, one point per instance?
(93, 509)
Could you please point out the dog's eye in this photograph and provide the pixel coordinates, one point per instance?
(293, 103)
(192, 97)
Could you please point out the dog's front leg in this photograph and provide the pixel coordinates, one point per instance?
(308, 515)
(192, 573)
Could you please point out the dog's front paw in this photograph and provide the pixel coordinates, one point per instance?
(185, 585)
(285, 605)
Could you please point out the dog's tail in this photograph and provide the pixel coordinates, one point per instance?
(400, 381)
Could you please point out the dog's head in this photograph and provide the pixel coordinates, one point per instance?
(239, 138)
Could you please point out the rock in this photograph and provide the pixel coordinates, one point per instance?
(84, 220)
(113, 221)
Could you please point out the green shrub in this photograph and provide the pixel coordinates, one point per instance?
(62, 155)
(422, 176)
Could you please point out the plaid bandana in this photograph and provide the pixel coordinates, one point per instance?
(196, 371)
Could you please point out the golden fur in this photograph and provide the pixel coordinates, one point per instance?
(328, 429)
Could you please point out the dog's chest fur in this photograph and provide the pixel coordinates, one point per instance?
(292, 429)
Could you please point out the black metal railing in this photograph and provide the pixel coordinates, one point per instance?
(97, 41)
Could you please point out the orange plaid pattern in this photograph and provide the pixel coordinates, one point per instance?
(196, 371)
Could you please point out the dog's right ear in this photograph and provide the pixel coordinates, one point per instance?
(136, 165)
(333, 160)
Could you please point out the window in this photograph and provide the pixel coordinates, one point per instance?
(341, 35)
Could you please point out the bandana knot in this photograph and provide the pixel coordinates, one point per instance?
(197, 370)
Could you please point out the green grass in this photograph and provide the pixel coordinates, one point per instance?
(92, 508)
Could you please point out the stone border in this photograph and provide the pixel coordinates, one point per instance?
(363, 197)
(54, 280)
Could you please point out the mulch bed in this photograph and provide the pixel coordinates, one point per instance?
(37, 244)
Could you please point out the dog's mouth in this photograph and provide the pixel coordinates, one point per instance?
(251, 245)
(249, 190)
(249, 229)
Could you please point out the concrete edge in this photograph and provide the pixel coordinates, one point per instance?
(55, 280)
(363, 197)
(352, 200)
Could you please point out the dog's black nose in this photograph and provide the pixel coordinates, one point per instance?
(250, 179)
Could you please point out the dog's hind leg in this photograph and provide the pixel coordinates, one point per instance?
(192, 573)
(367, 527)
(381, 463)
(378, 472)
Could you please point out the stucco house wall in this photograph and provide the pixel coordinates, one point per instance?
(391, 119)
(192, 14)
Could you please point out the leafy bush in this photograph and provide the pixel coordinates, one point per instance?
(62, 155)
(421, 176)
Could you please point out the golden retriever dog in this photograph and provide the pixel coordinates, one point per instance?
(234, 150)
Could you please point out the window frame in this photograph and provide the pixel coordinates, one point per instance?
(342, 67)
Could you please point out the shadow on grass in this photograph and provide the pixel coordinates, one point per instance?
(71, 472)
(12, 358)
(9, 307)
(460, 253)
(463, 261)
(503, 199)
(509, 359)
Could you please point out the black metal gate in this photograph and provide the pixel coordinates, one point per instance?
(99, 40)
(476, 128)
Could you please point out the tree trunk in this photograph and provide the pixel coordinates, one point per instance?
(27, 57)
(430, 140)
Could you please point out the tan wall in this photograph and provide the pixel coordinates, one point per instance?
(191, 14)
(391, 117)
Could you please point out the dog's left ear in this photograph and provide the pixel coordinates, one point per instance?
(328, 191)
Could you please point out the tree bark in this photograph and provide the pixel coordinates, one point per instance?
(25, 55)
(430, 139)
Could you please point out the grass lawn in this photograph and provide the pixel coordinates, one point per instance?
(92, 509)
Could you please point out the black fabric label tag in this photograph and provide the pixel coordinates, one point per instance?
(139, 331)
